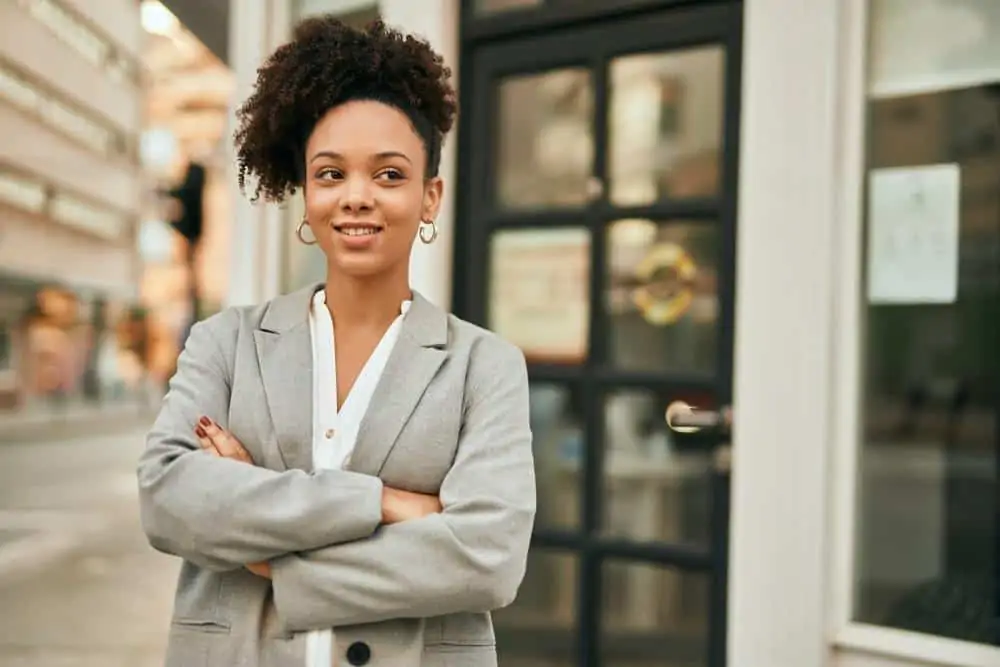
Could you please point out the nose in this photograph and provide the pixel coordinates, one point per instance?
(357, 195)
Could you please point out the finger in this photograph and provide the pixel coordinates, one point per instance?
(218, 436)
(225, 443)
(205, 442)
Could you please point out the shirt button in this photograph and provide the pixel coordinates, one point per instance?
(329, 433)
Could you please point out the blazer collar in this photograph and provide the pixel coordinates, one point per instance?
(284, 351)
(425, 323)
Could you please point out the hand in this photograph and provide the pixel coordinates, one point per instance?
(260, 569)
(399, 505)
(219, 442)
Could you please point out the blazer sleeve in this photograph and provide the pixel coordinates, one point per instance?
(221, 514)
(469, 558)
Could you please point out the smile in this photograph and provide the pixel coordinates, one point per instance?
(358, 230)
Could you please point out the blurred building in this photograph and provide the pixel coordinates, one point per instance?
(70, 195)
(788, 207)
(106, 110)
(184, 237)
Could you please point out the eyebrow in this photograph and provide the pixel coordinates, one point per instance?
(380, 156)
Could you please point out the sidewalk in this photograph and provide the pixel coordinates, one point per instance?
(79, 586)
(74, 422)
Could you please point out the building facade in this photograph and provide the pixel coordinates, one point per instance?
(70, 193)
(787, 208)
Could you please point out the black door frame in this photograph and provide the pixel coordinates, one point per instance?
(650, 25)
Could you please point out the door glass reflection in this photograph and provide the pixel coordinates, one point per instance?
(662, 296)
(545, 146)
(557, 427)
(665, 125)
(654, 616)
(656, 481)
(539, 296)
(539, 628)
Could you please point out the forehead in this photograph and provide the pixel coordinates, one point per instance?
(364, 126)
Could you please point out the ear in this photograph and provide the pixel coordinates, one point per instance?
(432, 198)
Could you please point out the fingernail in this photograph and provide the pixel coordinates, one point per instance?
(205, 421)
(200, 432)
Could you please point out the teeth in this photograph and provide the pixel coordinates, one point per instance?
(359, 231)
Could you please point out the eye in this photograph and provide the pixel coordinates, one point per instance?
(390, 174)
(329, 174)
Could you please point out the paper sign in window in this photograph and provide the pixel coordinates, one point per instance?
(913, 218)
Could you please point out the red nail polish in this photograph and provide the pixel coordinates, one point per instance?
(200, 432)
(205, 421)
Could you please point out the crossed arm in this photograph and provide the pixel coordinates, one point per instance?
(397, 505)
(218, 512)
(341, 548)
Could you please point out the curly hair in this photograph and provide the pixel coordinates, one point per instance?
(326, 64)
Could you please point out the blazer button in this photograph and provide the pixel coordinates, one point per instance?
(358, 654)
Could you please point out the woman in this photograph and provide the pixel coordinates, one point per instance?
(346, 470)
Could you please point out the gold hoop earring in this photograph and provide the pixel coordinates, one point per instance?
(300, 236)
(424, 224)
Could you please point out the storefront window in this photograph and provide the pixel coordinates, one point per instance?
(928, 551)
(62, 351)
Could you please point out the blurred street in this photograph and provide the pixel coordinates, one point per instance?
(79, 586)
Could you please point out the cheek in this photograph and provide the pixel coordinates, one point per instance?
(320, 203)
(402, 208)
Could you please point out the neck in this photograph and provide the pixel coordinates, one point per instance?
(372, 300)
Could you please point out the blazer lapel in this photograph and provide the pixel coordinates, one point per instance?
(413, 363)
(284, 348)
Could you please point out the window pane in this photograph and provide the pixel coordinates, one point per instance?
(545, 144)
(654, 616)
(931, 45)
(656, 482)
(928, 556)
(666, 122)
(484, 7)
(662, 296)
(539, 294)
(539, 629)
(557, 427)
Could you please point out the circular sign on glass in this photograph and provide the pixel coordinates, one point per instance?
(667, 275)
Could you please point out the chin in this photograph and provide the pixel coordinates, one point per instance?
(361, 266)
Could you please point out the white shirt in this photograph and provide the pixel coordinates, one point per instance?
(335, 432)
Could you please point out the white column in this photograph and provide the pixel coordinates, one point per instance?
(275, 225)
(436, 21)
(255, 29)
(778, 603)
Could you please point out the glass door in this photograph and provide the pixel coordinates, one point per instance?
(598, 229)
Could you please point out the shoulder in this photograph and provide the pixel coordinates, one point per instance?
(226, 324)
(491, 358)
(278, 314)
(477, 341)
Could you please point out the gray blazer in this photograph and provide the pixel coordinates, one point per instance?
(449, 416)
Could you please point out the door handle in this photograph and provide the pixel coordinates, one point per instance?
(684, 418)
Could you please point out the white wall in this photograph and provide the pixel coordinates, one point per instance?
(255, 30)
(784, 326)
